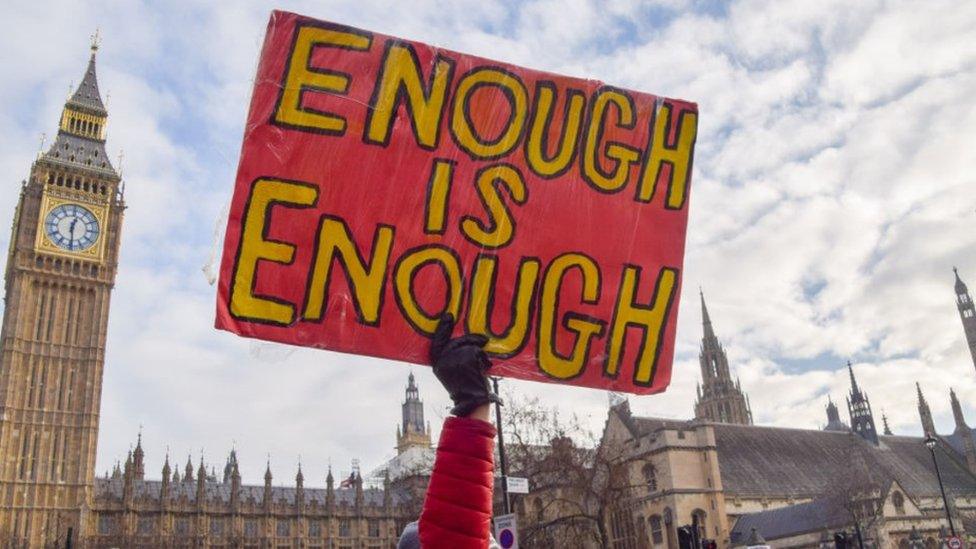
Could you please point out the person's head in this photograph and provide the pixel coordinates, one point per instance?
(410, 538)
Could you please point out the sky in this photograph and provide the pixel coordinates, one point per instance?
(833, 192)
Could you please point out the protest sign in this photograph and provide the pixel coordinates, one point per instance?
(384, 181)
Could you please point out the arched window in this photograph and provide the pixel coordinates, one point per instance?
(898, 501)
(650, 477)
(657, 532)
(698, 521)
(623, 534)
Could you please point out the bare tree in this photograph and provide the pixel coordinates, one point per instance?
(580, 485)
(860, 491)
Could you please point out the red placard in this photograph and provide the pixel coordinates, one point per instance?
(383, 181)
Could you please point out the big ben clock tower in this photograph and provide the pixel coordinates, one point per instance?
(60, 272)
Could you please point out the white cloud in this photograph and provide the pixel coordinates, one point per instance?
(904, 46)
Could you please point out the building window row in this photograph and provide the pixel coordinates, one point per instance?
(78, 183)
(109, 525)
(80, 151)
(62, 316)
(87, 127)
(32, 459)
(80, 268)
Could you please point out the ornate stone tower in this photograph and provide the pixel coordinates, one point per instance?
(967, 312)
(859, 407)
(963, 432)
(834, 422)
(719, 398)
(60, 272)
(413, 432)
(928, 426)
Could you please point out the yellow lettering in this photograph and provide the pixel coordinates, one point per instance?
(438, 190)
(366, 282)
(461, 121)
(482, 299)
(401, 76)
(550, 360)
(500, 228)
(622, 155)
(678, 157)
(537, 145)
(265, 194)
(651, 319)
(301, 78)
(405, 271)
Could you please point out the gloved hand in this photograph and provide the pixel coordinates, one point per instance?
(461, 366)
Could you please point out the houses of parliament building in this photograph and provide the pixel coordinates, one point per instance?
(717, 471)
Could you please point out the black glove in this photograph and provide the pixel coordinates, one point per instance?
(460, 365)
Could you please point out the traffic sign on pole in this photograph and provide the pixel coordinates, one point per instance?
(506, 531)
(517, 485)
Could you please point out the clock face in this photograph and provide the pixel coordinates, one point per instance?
(71, 227)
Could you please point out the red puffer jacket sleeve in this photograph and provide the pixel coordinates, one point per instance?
(457, 508)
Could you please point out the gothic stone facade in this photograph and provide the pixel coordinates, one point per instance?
(723, 476)
(60, 272)
(724, 479)
(967, 313)
(720, 398)
(200, 510)
(130, 511)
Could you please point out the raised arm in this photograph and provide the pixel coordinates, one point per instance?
(458, 505)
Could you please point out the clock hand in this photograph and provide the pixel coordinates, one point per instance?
(71, 230)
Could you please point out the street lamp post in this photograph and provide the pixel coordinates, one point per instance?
(930, 443)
